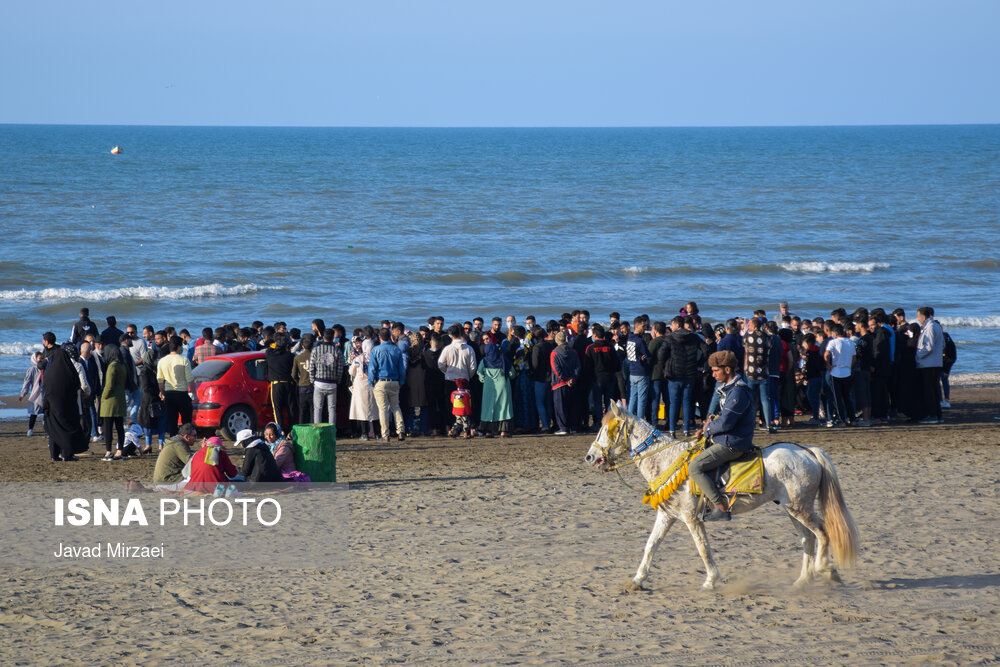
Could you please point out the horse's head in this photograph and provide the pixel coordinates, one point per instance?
(612, 442)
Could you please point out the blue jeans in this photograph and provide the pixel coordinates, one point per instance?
(543, 401)
(132, 399)
(420, 421)
(638, 398)
(758, 389)
(713, 405)
(161, 429)
(324, 396)
(658, 395)
(681, 390)
(772, 393)
(812, 393)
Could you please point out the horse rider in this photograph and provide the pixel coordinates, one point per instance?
(730, 434)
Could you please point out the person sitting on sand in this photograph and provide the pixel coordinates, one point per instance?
(168, 474)
(281, 448)
(258, 462)
(210, 466)
(731, 434)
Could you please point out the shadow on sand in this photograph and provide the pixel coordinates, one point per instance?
(955, 582)
(416, 480)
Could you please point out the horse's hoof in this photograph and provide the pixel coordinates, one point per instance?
(632, 587)
(709, 585)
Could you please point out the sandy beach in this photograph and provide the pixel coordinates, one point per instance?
(515, 552)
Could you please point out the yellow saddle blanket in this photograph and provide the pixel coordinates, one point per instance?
(744, 475)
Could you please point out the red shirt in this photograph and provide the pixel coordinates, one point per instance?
(461, 403)
(204, 476)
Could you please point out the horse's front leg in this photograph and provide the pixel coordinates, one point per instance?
(660, 528)
(700, 537)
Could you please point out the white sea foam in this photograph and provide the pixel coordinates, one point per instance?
(19, 349)
(974, 379)
(149, 293)
(835, 267)
(988, 322)
(635, 270)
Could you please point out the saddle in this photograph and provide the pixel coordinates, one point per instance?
(742, 475)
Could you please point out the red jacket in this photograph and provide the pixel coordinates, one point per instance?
(461, 403)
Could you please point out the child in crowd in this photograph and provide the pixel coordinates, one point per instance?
(32, 390)
(461, 407)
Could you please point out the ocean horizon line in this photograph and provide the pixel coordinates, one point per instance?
(510, 127)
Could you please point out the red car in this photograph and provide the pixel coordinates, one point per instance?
(231, 393)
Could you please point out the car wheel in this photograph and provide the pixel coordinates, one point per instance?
(236, 419)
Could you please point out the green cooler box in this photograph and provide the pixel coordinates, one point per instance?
(315, 448)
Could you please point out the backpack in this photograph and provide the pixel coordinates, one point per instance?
(950, 351)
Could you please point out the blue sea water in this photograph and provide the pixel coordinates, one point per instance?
(197, 226)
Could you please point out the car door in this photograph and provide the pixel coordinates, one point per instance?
(256, 370)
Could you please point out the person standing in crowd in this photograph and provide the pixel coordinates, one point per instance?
(326, 368)
(812, 371)
(363, 408)
(775, 362)
(949, 359)
(639, 366)
(755, 366)
(839, 357)
(303, 381)
(883, 343)
(930, 361)
(684, 356)
(605, 365)
(81, 328)
(495, 372)
(415, 389)
(151, 411)
(60, 401)
(864, 363)
(458, 360)
(658, 384)
(113, 404)
(204, 347)
(173, 374)
(132, 394)
(31, 389)
(112, 335)
(786, 383)
(541, 373)
(386, 374)
(279, 363)
(565, 370)
(522, 386)
(435, 384)
(93, 373)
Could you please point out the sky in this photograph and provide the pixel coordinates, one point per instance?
(538, 63)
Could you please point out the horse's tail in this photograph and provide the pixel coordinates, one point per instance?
(837, 520)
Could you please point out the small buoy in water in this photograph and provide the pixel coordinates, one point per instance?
(115, 150)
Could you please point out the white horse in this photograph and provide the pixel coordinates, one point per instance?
(794, 476)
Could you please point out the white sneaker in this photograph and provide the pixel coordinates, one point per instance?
(945, 404)
(96, 438)
(929, 420)
(561, 432)
(31, 432)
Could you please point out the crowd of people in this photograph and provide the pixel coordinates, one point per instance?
(860, 368)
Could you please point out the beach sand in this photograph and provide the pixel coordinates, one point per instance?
(515, 552)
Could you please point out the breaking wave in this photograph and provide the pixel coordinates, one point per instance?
(835, 267)
(152, 293)
(19, 349)
(988, 322)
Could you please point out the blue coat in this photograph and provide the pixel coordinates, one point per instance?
(386, 363)
(734, 426)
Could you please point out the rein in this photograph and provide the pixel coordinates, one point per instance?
(661, 488)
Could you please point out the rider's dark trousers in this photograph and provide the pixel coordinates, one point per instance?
(710, 459)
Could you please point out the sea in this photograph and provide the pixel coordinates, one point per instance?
(197, 226)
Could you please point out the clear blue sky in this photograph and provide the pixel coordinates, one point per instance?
(468, 63)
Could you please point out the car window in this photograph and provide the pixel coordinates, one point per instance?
(208, 371)
(256, 369)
